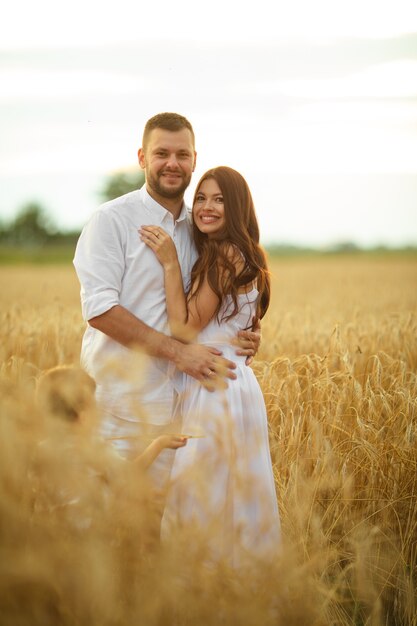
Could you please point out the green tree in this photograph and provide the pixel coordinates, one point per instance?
(122, 182)
(30, 227)
(3, 231)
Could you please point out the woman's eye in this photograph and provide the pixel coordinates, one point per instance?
(219, 199)
(199, 198)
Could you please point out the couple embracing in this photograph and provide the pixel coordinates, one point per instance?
(186, 292)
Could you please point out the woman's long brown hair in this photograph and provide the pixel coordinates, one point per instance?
(241, 233)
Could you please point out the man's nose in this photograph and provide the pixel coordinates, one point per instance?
(172, 161)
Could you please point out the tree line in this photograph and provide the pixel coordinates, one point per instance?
(33, 227)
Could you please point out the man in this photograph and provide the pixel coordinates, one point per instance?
(123, 297)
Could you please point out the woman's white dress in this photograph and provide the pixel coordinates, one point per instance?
(222, 481)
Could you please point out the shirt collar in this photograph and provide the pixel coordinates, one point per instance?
(158, 212)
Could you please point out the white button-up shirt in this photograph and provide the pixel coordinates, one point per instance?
(115, 267)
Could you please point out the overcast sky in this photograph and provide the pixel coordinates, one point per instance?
(315, 103)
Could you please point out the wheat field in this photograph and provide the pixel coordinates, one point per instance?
(338, 369)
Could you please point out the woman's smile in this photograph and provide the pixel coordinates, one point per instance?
(208, 209)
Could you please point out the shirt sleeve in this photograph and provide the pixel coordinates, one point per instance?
(100, 264)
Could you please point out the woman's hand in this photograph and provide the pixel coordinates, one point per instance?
(161, 243)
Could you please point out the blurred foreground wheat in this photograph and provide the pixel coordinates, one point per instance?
(338, 370)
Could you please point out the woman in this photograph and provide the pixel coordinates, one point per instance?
(223, 481)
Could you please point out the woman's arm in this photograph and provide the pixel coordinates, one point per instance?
(186, 318)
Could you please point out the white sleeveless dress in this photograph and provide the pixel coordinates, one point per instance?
(222, 481)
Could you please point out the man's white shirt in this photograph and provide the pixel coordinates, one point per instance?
(115, 267)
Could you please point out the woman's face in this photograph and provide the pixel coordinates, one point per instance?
(208, 209)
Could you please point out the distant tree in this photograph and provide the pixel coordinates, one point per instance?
(30, 227)
(3, 231)
(345, 246)
(122, 182)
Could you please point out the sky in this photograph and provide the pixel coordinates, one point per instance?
(315, 103)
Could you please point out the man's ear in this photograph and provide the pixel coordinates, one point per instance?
(141, 158)
(195, 160)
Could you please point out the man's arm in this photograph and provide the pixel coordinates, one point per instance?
(197, 361)
(100, 265)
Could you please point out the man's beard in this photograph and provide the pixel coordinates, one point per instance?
(155, 184)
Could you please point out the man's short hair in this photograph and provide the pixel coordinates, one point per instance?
(168, 121)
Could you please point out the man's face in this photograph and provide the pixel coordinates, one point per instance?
(169, 161)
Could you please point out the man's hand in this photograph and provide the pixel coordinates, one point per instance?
(206, 365)
(248, 341)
